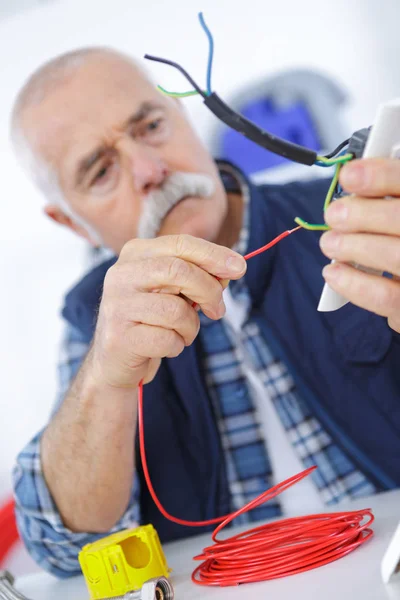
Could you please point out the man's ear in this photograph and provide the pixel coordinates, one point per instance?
(55, 213)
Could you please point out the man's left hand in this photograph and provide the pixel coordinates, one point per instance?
(366, 231)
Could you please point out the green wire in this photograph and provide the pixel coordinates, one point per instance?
(328, 199)
(176, 94)
(338, 162)
(334, 161)
(310, 226)
(332, 187)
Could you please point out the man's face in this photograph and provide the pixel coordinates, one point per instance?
(113, 141)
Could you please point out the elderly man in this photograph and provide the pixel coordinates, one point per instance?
(255, 384)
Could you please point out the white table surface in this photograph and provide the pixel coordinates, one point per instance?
(356, 576)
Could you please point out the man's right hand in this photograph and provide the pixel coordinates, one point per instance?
(146, 312)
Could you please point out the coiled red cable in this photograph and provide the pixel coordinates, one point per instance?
(276, 549)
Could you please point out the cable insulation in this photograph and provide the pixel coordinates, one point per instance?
(337, 149)
(272, 550)
(180, 68)
(272, 243)
(311, 226)
(330, 162)
(328, 200)
(239, 123)
(332, 187)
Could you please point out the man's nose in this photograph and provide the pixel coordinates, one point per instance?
(148, 171)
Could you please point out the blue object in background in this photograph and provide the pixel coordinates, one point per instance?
(299, 105)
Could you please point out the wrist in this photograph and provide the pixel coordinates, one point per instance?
(96, 383)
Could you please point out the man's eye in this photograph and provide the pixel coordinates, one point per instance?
(154, 125)
(105, 177)
(155, 131)
(102, 173)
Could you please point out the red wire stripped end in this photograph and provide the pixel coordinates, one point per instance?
(266, 247)
(276, 549)
(273, 550)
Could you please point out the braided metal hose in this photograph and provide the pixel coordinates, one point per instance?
(7, 589)
(154, 589)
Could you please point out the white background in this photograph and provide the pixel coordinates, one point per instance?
(356, 42)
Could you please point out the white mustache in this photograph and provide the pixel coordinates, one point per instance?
(159, 202)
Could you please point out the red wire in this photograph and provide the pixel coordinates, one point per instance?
(272, 243)
(273, 550)
(8, 529)
(277, 239)
(276, 549)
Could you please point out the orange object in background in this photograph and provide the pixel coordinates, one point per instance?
(8, 529)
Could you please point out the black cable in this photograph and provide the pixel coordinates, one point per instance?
(337, 150)
(289, 150)
(181, 69)
(266, 140)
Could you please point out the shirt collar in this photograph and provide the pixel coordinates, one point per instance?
(235, 182)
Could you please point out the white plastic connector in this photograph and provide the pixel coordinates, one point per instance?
(383, 142)
(390, 566)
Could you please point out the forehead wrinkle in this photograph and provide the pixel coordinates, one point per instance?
(90, 157)
(101, 99)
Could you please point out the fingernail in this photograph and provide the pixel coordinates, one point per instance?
(236, 264)
(331, 273)
(336, 213)
(330, 242)
(353, 176)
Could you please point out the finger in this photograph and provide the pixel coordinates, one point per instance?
(224, 283)
(154, 365)
(153, 342)
(354, 213)
(378, 252)
(168, 275)
(394, 323)
(163, 310)
(377, 294)
(217, 260)
(372, 177)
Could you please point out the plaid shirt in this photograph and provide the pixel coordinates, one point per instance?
(56, 548)
(248, 464)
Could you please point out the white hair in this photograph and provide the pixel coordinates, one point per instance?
(39, 84)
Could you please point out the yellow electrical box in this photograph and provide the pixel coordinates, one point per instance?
(122, 562)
